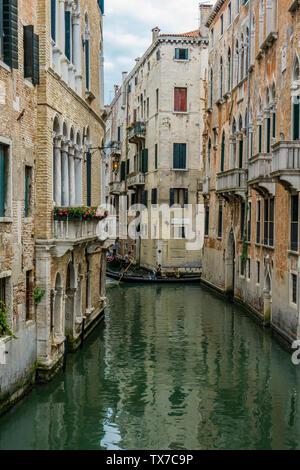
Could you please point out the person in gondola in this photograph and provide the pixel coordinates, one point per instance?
(158, 271)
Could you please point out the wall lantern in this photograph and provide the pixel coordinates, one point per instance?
(116, 166)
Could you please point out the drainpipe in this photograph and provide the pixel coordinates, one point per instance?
(248, 86)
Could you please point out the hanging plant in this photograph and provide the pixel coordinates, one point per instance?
(5, 329)
(38, 294)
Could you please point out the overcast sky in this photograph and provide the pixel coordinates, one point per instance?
(127, 31)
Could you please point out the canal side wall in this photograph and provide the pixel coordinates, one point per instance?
(19, 370)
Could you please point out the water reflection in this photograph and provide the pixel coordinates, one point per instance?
(171, 368)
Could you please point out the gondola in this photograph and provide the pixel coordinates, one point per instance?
(133, 278)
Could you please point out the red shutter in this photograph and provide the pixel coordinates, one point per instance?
(177, 99)
(183, 100)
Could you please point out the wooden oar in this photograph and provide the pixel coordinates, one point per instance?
(125, 272)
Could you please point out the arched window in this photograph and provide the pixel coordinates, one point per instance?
(223, 152)
(88, 169)
(87, 51)
(236, 63)
(259, 126)
(211, 79)
(221, 78)
(242, 54)
(229, 70)
(241, 143)
(208, 159)
(247, 50)
(57, 181)
(296, 100)
(233, 145)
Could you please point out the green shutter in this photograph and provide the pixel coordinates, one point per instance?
(36, 60)
(182, 158)
(186, 54)
(176, 156)
(128, 167)
(268, 135)
(2, 182)
(123, 168)
(259, 138)
(101, 6)
(87, 64)
(274, 125)
(89, 178)
(10, 29)
(31, 55)
(296, 121)
(156, 156)
(172, 197)
(145, 161)
(176, 53)
(223, 154)
(241, 154)
(68, 34)
(53, 20)
(145, 198)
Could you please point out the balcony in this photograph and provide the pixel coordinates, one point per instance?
(259, 174)
(286, 164)
(68, 233)
(116, 187)
(137, 179)
(232, 183)
(137, 133)
(206, 186)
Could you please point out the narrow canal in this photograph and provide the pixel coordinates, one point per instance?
(170, 368)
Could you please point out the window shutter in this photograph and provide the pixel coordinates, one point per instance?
(274, 125)
(145, 198)
(101, 6)
(36, 60)
(53, 20)
(128, 167)
(68, 34)
(176, 156)
(176, 53)
(268, 135)
(186, 54)
(31, 55)
(145, 161)
(87, 64)
(2, 182)
(182, 160)
(10, 29)
(123, 171)
(88, 177)
(156, 156)
(172, 197)
(186, 196)
(154, 196)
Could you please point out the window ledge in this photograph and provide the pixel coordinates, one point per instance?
(292, 252)
(268, 247)
(181, 60)
(5, 66)
(180, 169)
(6, 220)
(180, 112)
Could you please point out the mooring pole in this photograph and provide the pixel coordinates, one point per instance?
(82, 332)
(66, 352)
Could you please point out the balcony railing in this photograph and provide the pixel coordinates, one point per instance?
(74, 229)
(116, 187)
(259, 173)
(286, 164)
(232, 182)
(137, 132)
(138, 179)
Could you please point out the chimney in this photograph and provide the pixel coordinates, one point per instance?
(155, 33)
(205, 11)
(124, 76)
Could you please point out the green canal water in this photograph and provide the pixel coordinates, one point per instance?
(170, 368)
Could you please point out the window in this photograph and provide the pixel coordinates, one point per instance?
(28, 186)
(101, 6)
(220, 221)
(229, 70)
(145, 161)
(149, 66)
(259, 138)
(158, 54)
(179, 156)
(229, 14)
(269, 222)
(87, 53)
(249, 268)
(136, 80)
(237, 7)
(89, 178)
(221, 78)
(148, 107)
(243, 266)
(145, 198)
(212, 37)
(154, 196)
(3, 290)
(156, 157)
(274, 125)
(222, 25)
(9, 32)
(31, 55)
(211, 84)
(53, 20)
(294, 222)
(68, 34)
(249, 222)
(258, 272)
(179, 196)
(119, 133)
(206, 229)
(258, 221)
(268, 135)
(223, 152)
(5, 181)
(181, 54)
(157, 99)
(294, 279)
(123, 171)
(180, 100)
